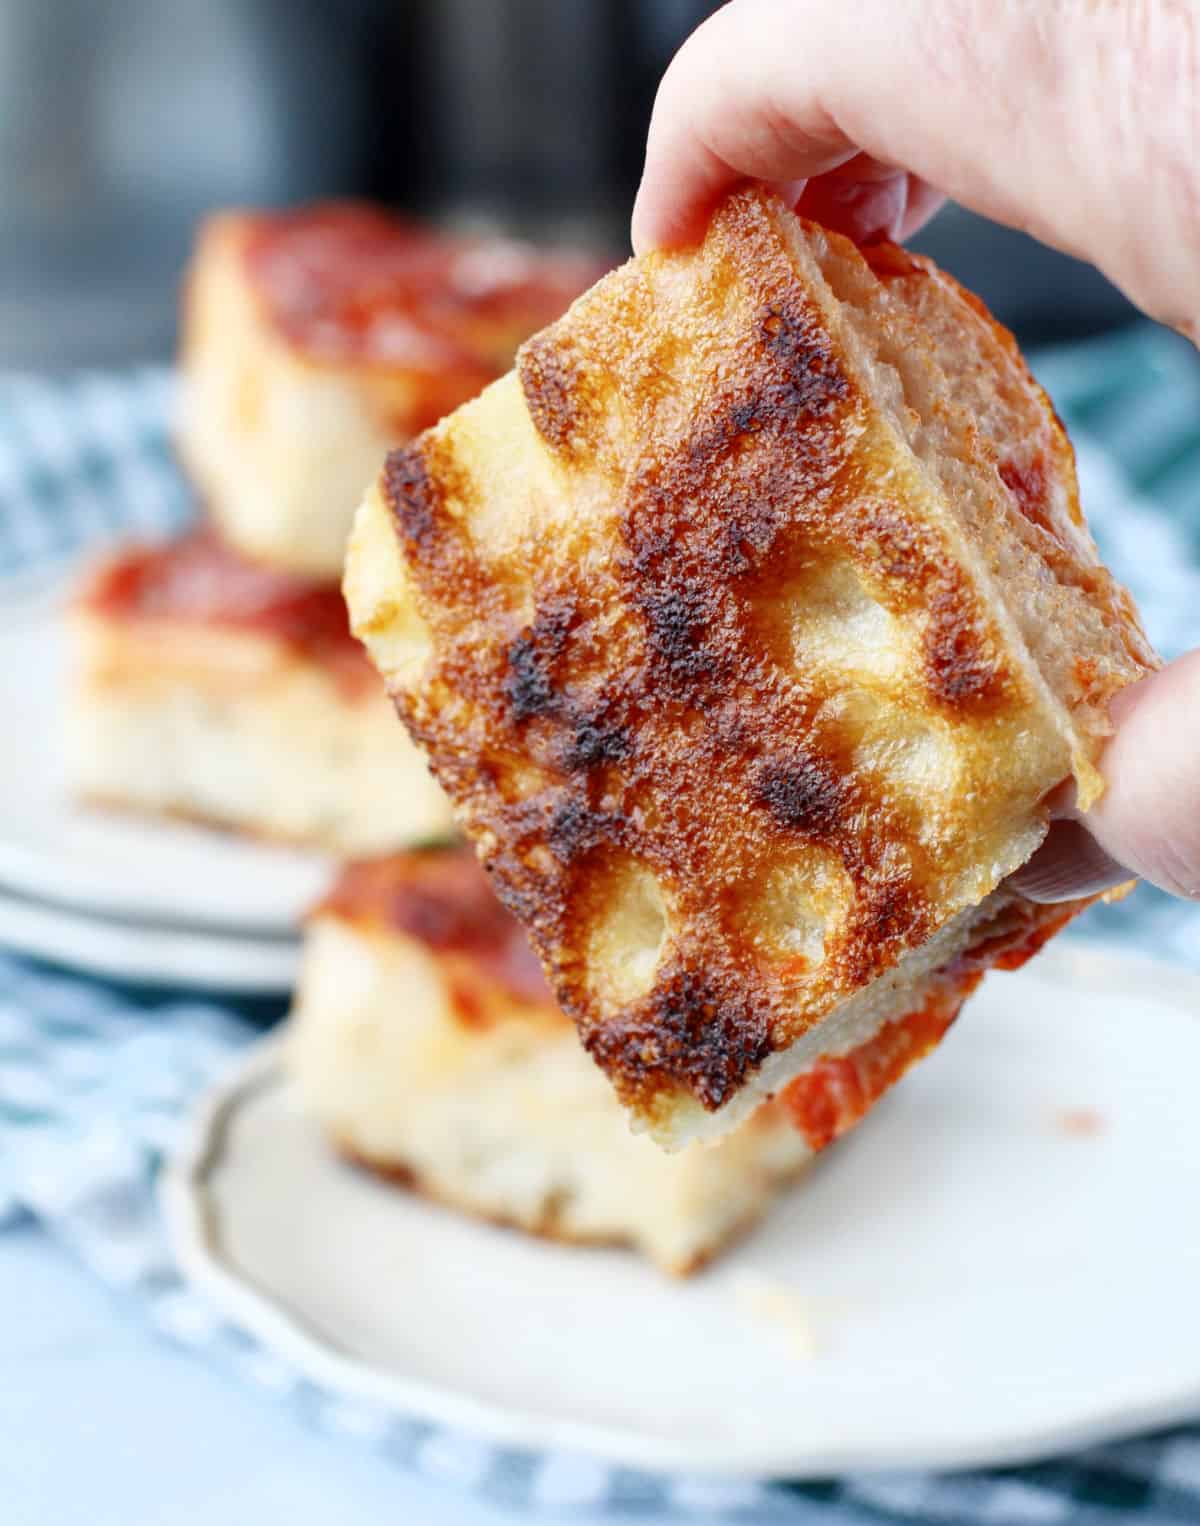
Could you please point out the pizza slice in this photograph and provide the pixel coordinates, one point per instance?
(426, 1045)
(212, 689)
(749, 624)
(316, 338)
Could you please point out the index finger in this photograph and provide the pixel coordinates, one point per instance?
(994, 104)
(720, 118)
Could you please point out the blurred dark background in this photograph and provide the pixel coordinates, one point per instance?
(123, 121)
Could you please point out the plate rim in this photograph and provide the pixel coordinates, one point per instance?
(26, 875)
(116, 949)
(186, 1207)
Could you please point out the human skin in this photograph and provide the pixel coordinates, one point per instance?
(1077, 121)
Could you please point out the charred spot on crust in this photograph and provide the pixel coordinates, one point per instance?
(811, 382)
(595, 742)
(711, 1043)
(529, 687)
(576, 827)
(750, 533)
(894, 912)
(959, 669)
(553, 385)
(712, 511)
(679, 616)
(413, 494)
(894, 546)
(691, 1036)
(803, 793)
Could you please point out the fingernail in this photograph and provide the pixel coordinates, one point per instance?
(1069, 864)
(868, 212)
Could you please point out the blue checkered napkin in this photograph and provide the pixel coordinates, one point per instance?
(83, 461)
(95, 1080)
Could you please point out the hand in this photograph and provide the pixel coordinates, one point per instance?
(1075, 120)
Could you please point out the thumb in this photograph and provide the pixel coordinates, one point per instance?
(1147, 822)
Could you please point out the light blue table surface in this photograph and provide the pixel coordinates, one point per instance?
(104, 1424)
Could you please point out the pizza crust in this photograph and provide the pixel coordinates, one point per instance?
(748, 644)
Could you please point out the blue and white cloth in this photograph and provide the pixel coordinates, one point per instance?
(96, 1078)
(84, 460)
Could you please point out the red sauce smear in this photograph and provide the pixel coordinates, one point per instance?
(1030, 492)
(198, 580)
(350, 282)
(836, 1092)
(1019, 932)
(443, 899)
(890, 261)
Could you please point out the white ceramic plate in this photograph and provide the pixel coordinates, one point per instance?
(1001, 1264)
(57, 851)
(131, 951)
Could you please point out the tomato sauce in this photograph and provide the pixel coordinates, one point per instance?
(838, 1090)
(199, 580)
(442, 898)
(353, 283)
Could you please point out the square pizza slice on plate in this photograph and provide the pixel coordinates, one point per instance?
(317, 338)
(212, 689)
(426, 1044)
